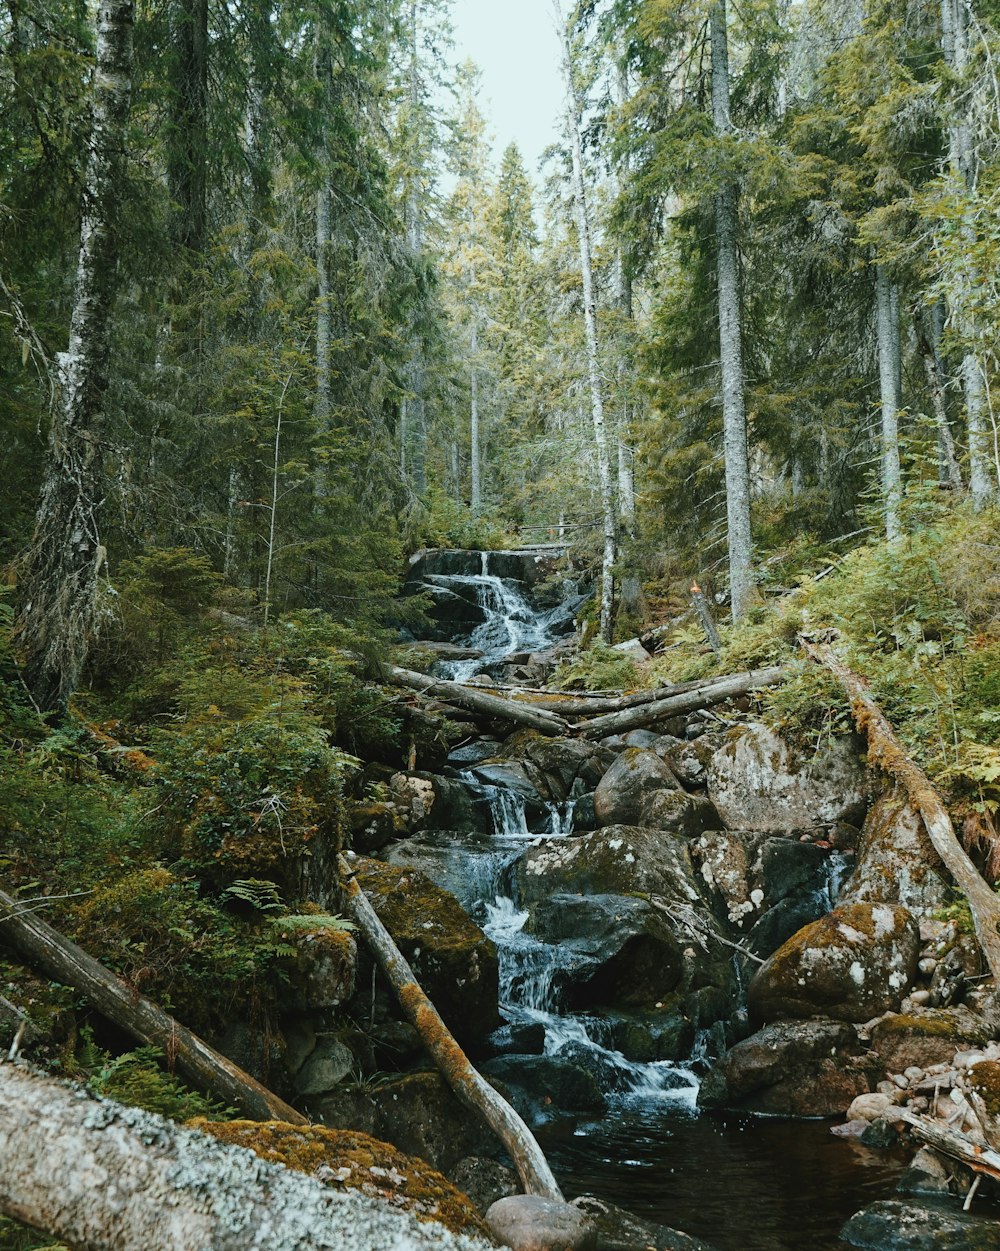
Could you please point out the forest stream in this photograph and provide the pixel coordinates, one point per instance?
(629, 1131)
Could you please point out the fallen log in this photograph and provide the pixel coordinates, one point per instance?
(885, 750)
(567, 704)
(473, 1090)
(101, 1176)
(477, 701)
(704, 695)
(44, 948)
(979, 1158)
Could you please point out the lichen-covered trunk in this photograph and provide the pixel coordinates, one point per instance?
(734, 419)
(887, 330)
(474, 450)
(929, 346)
(962, 164)
(604, 480)
(62, 567)
(103, 1177)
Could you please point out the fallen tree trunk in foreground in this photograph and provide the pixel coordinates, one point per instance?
(45, 949)
(979, 1158)
(473, 1090)
(704, 695)
(569, 704)
(103, 1177)
(885, 750)
(477, 701)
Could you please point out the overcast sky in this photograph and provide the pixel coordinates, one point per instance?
(514, 44)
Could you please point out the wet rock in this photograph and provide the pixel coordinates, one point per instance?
(512, 775)
(373, 826)
(484, 1181)
(629, 791)
(618, 1230)
(927, 1174)
(568, 765)
(327, 1066)
(629, 957)
(925, 1038)
(531, 1223)
(791, 1068)
(321, 975)
(414, 798)
(416, 1113)
(518, 1038)
(757, 781)
(895, 862)
(395, 1044)
(880, 1134)
(455, 963)
(666, 1033)
(541, 1086)
(852, 964)
(870, 1107)
(473, 753)
(902, 1225)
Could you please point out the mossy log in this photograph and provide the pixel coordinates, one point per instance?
(45, 949)
(473, 1090)
(886, 751)
(704, 695)
(477, 701)
(104, 1177)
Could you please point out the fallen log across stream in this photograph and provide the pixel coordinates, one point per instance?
(885, 750)
(477, 701)
(473, 1089)
(45, 949)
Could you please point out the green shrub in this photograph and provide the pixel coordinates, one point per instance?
(600, 668)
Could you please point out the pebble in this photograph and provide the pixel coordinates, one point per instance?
(913, 1074)
(920, 998)
(927, 965)
(899, 1081)
(966, 1059)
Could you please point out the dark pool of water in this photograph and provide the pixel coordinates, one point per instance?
(741, 1184)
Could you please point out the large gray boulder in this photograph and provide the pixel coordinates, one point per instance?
(628, 793)
(896, 863)
(758, 781)
(907, 1225)
(531, 1223)
(852, 964)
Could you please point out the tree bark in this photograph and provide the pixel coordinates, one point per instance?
(885, 749)
(54, 955)
(478, 701)
(188, 161)
(103, 1177)
(608, 523)
(929, 346)
(675, 705)
(734, 419)
(474, 452)
(473, 1090)
(977, 1157)
(888, 356)
(63, 564)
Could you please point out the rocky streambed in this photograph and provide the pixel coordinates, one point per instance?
(651, 943)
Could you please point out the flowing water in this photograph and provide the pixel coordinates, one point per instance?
(742, 1184)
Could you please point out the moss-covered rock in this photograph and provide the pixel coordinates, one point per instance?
(455, 963)
(629, 792)
(352, 1161)
(896, 863)
(852, 964)
(931, 1036)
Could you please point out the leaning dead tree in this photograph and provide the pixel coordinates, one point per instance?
(473, 1090)
(63, 564)
(885, 750)
(104, 1177)
(45, 949)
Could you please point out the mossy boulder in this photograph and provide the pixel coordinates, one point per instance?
(758, 781)
(351, 1161)
(929, 1225)
(931, 1036)
(853, 964)
(791, 1068)
(321, 975)
(374, 826)
(895, 861)
(629, 792)
(565, 764)
(454, 961)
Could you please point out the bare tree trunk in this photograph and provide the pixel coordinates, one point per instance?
(473, 1090)
(962, 166)
(188, 148)
(474, 453)
(887, 329)
(63, 564)
(414, 433)
(103, 1177)
(45, 949)
(885, 749)
(929, 346)
(734, 419)
(608, 523)
(323, 319)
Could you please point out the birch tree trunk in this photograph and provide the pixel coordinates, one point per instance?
(608, 524)
(734, 420)
(63, 564)
(962, 167)
(103, 1177)
(887, 330)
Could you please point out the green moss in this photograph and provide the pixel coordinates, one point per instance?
(353, 1161)
(984, 1081)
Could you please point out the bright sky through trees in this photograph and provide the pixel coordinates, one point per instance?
(515, 45)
